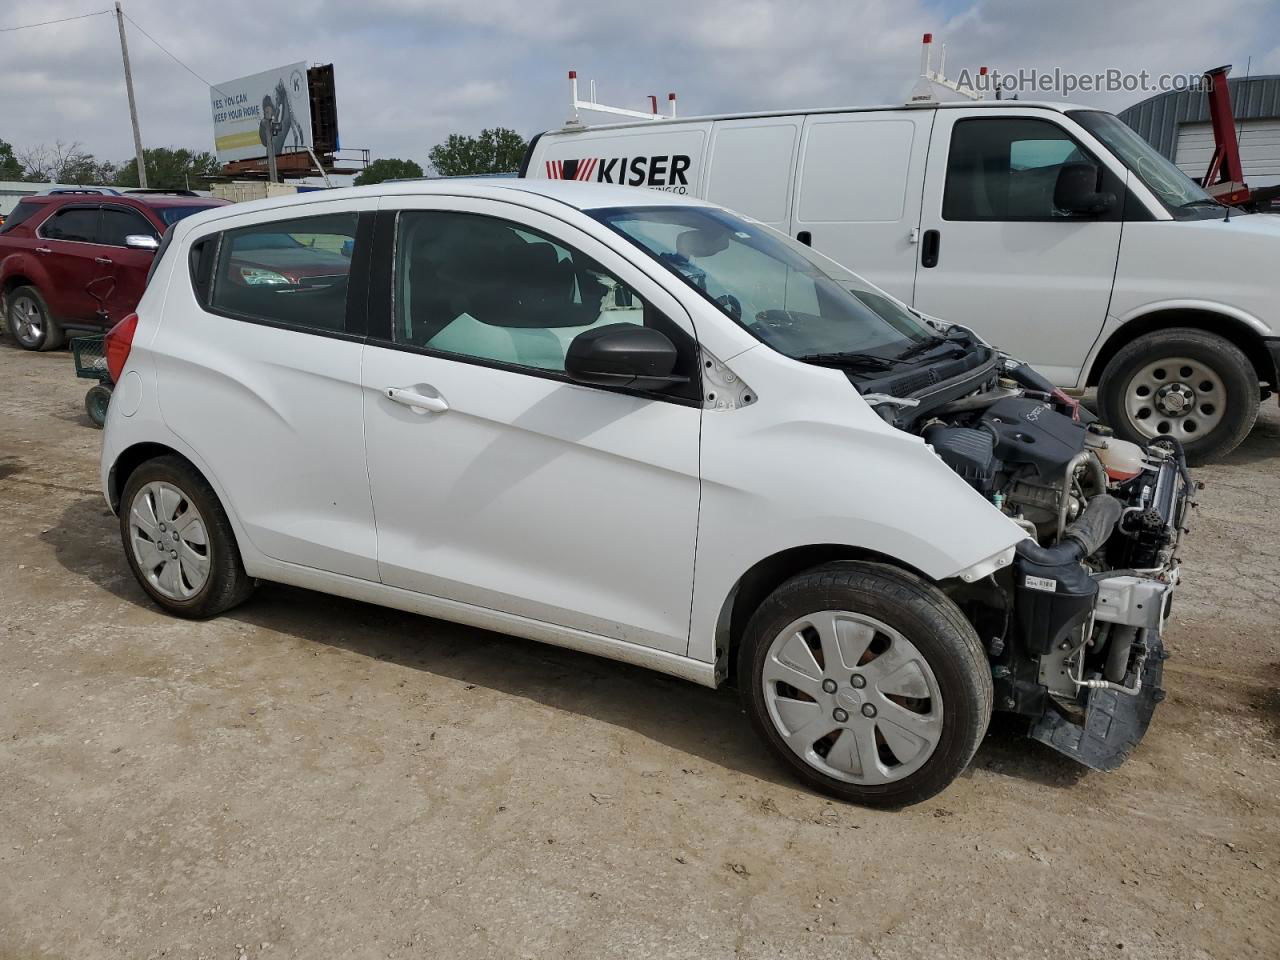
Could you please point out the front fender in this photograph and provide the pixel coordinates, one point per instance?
(811, 463)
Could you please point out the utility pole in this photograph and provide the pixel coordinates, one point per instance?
(133, 106)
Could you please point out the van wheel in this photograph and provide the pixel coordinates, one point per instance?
(1194, 386)
(179, 541)
(30, 322)
(867, 682)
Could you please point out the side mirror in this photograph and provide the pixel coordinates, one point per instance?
(622, 355)
(142, 241)
(1076, 191)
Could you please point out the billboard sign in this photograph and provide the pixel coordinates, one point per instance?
(248, 112)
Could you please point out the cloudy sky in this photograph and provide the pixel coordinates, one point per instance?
(409, 72)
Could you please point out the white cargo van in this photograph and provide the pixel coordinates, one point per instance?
(1052, 230)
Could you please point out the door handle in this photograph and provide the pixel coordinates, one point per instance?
(929, 248)
(805, 237)
(417, 402)
(43, 250)
(105, 261)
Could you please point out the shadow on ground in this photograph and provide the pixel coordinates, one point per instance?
(705, 723)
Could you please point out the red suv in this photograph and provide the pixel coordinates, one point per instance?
(79, 259)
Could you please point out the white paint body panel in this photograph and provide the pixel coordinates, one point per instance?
(1221, 267)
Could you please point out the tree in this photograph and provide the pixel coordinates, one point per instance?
(10, 168)
(64, 163)
(388, 168)
(170, 168)
(498, 150)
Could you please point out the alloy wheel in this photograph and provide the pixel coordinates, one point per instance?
(26, 320)
(853, 697)
(169, 540)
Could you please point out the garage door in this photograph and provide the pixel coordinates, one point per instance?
(1259, 150)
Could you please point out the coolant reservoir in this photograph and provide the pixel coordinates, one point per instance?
(1121, 459)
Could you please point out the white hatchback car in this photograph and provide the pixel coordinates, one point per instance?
(641, 426)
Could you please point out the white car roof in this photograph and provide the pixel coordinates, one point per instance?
(581, 196)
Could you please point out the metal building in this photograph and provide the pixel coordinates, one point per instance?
(1177, 124)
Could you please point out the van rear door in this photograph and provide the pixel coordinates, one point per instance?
(858, 191)
(998, 255)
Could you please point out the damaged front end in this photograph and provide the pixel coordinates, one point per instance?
(1073, 627)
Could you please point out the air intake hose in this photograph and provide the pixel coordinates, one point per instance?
(1083, 538)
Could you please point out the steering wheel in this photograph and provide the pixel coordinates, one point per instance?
(731, 305)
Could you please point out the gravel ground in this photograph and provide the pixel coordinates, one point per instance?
(312, 777)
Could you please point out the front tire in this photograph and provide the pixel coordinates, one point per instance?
(179, 541)
(867, 682)
(1196, 387)
(30, 323)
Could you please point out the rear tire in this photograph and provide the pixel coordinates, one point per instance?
(887, 692)
(179, 542)
(1211, 384)
(29, 321)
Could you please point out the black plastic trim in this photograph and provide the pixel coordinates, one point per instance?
(523, 172)
(357, 315)
(379, 320)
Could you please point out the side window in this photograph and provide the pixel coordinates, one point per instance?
(490, 289)
(1007, 168)
(79, 224)
(291, 272)
(119, 222)
(19, 213)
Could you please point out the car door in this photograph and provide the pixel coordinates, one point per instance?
(124, 277)
(67, 245)
(258, 369)
(497, 481)
(996, 252)
(857, 196)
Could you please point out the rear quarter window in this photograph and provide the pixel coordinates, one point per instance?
(23, 211)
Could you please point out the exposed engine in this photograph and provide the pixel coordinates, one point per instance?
(1073, 628)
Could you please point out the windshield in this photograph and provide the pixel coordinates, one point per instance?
(1178, 192)
(778, 290)
(171, 215)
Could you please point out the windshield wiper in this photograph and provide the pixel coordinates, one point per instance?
(921, 346)
(853, 359)
(1200, 203)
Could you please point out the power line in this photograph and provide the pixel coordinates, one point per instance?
(45, 23)
(172, 56)
(97, 13)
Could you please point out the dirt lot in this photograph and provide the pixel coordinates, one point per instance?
(311, 777)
